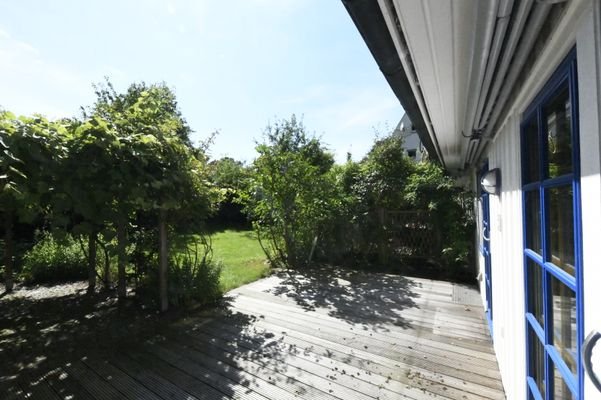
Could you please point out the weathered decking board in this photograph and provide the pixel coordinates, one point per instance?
(331, 336)
(427, 343)
(419, 318)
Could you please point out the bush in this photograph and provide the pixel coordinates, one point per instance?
(194, 281)
(193, 275)
(291, 193)
(51, 260)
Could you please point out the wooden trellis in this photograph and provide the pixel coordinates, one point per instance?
(411, 233)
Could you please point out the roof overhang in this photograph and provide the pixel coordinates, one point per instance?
(452, 64)
(370, 22)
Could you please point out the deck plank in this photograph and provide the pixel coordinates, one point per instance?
(91, 382)
(388, 334)
(124, 383)
(373, 365)
(66, 385)
(325, 335)
(362, 366)
(151, 381)
(470, 324)
(228, 352)
(233, 373)
(396, 351)
(184, 382)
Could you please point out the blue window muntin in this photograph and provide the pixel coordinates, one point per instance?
(566, 72)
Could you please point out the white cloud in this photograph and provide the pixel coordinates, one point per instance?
(171, 8)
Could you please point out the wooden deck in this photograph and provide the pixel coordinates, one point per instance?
(329, 335)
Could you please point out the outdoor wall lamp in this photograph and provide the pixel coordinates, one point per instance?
(491, 181)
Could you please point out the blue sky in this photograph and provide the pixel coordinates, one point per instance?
(235, 65)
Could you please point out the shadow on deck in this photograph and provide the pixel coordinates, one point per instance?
(323, 334)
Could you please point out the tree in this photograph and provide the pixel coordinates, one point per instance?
(228, 173)
(373, 186)
(290, 192)
(231, 178)
(154, 166)
(82, 202)
(31, 150)
(384, 172)
(12, 179)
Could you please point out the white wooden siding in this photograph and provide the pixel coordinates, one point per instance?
(581, 27)
(507, 261)
(588, 85)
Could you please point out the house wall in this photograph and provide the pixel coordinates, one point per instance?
(581, 28)
(507, 261)
(589, 67)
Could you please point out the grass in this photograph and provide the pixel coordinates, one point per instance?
(242, 258)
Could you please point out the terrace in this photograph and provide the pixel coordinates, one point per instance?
(326, 334)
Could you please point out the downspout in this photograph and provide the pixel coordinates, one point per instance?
(512, 42)
(535, 24)
(519, 21)
(389, 13)
(481, 53)
(501, 27)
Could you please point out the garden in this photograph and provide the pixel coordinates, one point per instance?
(120, 197)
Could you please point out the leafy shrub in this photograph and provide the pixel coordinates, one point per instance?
(194, 282)
(386, 180)
(193, 276)
(52, 260)
(291, 193)
(429, 188)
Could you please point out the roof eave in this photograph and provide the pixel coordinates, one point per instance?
(369, 20)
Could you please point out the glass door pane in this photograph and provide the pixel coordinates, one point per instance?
(533, 219)
(557, 114)
(535, 295)
(551, 209)
(564, 323)
(536, 367)
(559, 201)
(532, 153)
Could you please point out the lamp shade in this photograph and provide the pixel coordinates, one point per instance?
(491, 181)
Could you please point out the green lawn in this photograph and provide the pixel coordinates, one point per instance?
(242, 258)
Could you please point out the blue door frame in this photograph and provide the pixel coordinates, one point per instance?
(485, 248)
(554, 299)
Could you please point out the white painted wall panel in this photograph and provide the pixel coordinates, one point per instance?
(581, 27)
(507, 260)
(588, 42)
